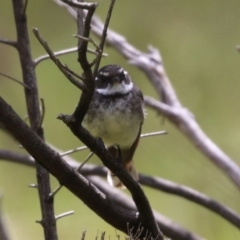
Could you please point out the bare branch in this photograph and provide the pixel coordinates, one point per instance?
(144, 135)
(63, 52)
(58, 53)
(96, 145)
(14, 79)
(151, 64)
(118, 197)
(25, 7)
(32, 101)
(103, 38)
(192, 195)
(185, 121)
(61, 67)
(161, 184)
(78, 185)
(64, 215)
(9, 42)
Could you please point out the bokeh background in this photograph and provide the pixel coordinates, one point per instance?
(197, 40)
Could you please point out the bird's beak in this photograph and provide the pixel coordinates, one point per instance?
(117, 80)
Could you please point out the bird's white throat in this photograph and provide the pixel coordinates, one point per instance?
(121, 88)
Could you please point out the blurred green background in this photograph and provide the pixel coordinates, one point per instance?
(197, 40)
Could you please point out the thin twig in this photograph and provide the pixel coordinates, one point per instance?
(14, 79)
(9, 42)
(55, 191)
(74, 74)
(61, 67)
(96, 145)
(74, 150)
(42, 111)
(85, 161)
(33, 185)
(86, 40)
(117, 196)
(83, 235)
(103, 38)
(58, 53)
(143, 135)
(153, 182)
(25, 7)
(151, 64)
(62, 215)
(63, 52)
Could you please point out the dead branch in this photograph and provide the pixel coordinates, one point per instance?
(91, 170)
(60, 66)
(9, 42)
(151, 64)
(118, 198)
(96, 145)
(76, 183)
(32, 101)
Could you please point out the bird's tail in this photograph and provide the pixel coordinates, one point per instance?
(114, 181)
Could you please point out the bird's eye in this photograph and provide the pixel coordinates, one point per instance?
(122, 75)
(103, 78)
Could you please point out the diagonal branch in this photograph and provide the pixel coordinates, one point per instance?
(185, 121)
(151, 64)
(88, 193)
(61, 67)
(96, 145)
(118, 197)
(161, 184)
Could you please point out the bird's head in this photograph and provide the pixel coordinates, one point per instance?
(112, 79)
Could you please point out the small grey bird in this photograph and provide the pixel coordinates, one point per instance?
(116, 115)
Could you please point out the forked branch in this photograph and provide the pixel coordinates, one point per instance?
(151, 64)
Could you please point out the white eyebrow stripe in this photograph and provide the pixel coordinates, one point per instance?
(106, 74)
(120, 70)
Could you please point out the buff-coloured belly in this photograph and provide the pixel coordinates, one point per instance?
(114, 127)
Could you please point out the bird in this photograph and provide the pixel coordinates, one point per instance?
(116, 114)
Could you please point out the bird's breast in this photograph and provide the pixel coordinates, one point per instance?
(116, 123)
